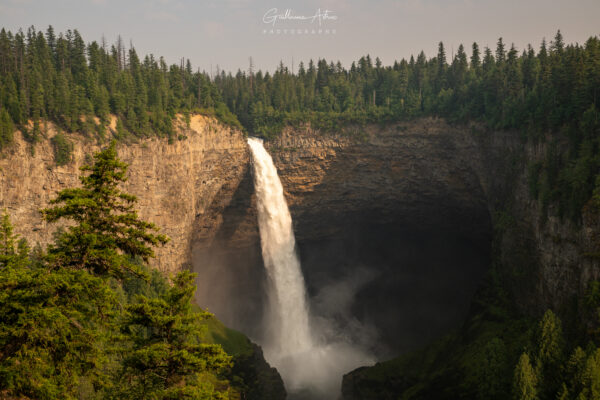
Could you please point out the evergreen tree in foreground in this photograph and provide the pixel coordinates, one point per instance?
(167, 360)
(53, 325)
(107, 234)
(66, 329)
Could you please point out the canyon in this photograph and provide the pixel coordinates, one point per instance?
(394, 223)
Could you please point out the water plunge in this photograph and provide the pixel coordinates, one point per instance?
(311, 361)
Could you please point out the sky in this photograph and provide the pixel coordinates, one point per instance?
(226, 33)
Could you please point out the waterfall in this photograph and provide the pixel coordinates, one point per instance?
(305, 364)
(288, 313)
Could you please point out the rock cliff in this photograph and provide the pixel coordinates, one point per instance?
(405, 180)
(174, 182)
(368, 190)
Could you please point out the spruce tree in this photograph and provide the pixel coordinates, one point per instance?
(52, 323)
(525, 380)
(475, 57)
(167, 359)
(6, 128)
(107, 234)
(13, 251)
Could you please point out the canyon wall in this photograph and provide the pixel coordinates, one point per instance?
(174, 182)
(421, 174)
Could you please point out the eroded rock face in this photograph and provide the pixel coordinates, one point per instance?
(420, 176)
(173, 182)
(381, 217)
(416, 180)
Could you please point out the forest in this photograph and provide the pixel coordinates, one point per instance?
(87, 318)
(549, 95)
(77, 85)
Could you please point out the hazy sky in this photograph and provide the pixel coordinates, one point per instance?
(227, 32)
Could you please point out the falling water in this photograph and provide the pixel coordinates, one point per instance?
(305, 364)
(289, 314)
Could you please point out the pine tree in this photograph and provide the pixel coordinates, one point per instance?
(51, 332)
(549, 353)
(549, 339)
(108, 232)
(6, 129)
(525, 380)
(168, 360)
(500, 52)
(13, 252)
(442, 65)
(558, 44)
(475, 57)
(575, 370)
(591, 377)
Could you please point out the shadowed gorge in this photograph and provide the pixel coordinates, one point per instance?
(387, 231)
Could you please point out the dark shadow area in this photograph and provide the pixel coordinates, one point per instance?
(393, 287)
(230, 270)
(393, 245)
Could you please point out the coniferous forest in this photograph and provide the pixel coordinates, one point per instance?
(58, 77)
(86, 318)
(546, 94)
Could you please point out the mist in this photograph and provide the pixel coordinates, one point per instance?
(311, 357)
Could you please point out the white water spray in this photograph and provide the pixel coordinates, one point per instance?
(287, 296)
(305, 365)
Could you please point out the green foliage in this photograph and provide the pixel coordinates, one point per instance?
(591, 377)
(549, 346)
(6, 128)
(476, 362)
(551, 95)
(525, 383)
(52, 324)
(496, 355)
(62, 149)
(13, 252)
(108, 232)
(491, 369)
(232, 341)
(60, 78)
(52, 331)
(591, 304)
(70, 330)
(167, 359)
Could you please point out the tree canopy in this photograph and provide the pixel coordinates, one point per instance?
(86, 319)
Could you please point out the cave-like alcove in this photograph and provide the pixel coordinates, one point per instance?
(394, 237)
(390, 282)
(393, 287)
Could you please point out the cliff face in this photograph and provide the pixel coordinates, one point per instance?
(549, 257)
(350, 194)
(394, 223)
(352, 191)
(421, 176)
(173, 182)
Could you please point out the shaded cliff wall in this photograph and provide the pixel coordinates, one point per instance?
(398, 221)
(427, 184)
(173, 182)
(546, 258)
(420, 176)
(389, 221)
